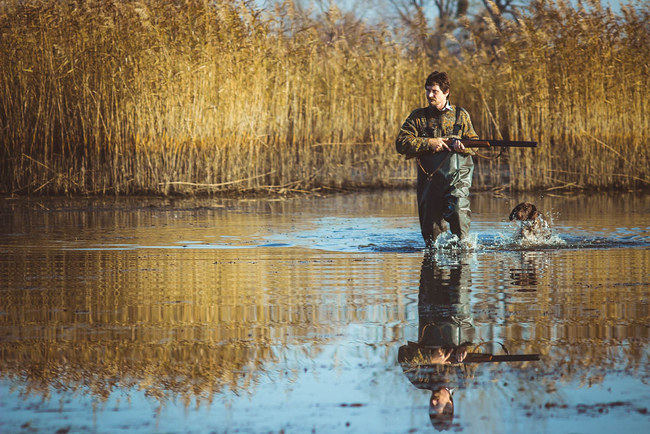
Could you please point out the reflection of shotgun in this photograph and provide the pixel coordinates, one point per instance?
(414, 353)
(483, 358)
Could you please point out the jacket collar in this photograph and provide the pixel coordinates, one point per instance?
(447, 106)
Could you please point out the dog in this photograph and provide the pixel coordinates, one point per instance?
(533, 225)
(524, 212)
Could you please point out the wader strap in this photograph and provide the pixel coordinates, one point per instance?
(430, 175)
(457, 126)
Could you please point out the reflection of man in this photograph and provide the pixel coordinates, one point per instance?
(443, 305)
(444, 170)
(444, 330)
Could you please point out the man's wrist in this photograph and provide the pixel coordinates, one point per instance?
(430, 145)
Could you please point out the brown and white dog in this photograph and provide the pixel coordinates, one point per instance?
(533, 226)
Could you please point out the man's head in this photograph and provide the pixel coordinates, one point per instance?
(437, 89)
(441, 408)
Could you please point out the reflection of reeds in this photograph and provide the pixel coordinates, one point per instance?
(191, 324)
(113, 97)
(174, 324)
(586, 324)
(190, 369)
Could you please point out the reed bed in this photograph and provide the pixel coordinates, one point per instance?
(575, 79)
(184, 96)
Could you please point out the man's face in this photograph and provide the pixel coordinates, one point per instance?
(436, 97)
(440, 399)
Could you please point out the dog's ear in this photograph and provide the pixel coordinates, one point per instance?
(532, 212)
(524, 211)
(514, 213)
(519, 212)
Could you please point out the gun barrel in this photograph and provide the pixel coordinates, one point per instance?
(482, 358)
(478, 143)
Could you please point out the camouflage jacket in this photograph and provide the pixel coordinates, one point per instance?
(428, 122)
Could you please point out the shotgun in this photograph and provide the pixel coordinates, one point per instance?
(488, 143)
(481, 143)
(476, 358)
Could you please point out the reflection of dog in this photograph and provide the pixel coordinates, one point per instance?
(533, 225)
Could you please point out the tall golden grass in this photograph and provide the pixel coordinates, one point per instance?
(154, 96)
(576, 80)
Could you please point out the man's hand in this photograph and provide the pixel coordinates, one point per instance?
(458, 146)
(440, 356)
(438, 144)
(460, 354)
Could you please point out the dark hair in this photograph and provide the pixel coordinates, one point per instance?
(439, 78)
(443, 421)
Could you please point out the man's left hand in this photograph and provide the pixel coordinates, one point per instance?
(460, 354)
(458, 146)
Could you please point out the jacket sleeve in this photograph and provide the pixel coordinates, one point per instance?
(409, 142)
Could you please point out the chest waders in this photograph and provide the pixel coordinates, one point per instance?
(444, 179)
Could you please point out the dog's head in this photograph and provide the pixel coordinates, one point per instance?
(524, 211)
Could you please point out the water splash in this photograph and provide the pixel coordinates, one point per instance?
(449, 241)
(529, 235)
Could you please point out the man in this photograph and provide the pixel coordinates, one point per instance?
(444, 172)
(445, 331)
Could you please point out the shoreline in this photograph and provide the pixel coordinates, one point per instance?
(318, 192)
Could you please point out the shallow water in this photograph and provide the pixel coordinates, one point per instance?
(268, 315)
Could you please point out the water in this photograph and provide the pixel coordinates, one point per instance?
(266, 315)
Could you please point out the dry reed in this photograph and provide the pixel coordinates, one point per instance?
(573, 78)
(153, 97)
